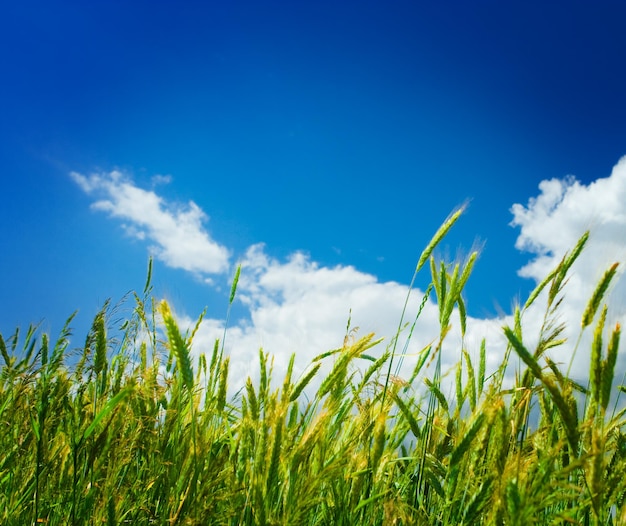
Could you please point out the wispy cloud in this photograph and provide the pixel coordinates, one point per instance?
(161, 179)
(176, 231)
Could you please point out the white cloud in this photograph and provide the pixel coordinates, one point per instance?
(298, 306)
(551, 224)
(177, 232)
(161, 179)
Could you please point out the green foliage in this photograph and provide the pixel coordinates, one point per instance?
(134, 429)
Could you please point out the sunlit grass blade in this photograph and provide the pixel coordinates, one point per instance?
(110, 406)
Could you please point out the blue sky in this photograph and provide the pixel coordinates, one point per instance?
(337, 134)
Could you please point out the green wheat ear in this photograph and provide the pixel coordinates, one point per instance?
(439, 235)
(178, 345)
(233, 288)
(3, 351)
(608, 369)
(598, 294)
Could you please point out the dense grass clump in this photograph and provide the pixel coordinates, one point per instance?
(132, 430)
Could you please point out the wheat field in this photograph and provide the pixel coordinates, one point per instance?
(129, 428)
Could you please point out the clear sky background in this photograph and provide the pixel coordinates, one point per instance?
(319, 143)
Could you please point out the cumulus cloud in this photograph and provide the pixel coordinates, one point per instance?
(298, 306)
(551, 224)
(177, 232)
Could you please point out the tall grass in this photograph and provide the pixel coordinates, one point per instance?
(131, 429)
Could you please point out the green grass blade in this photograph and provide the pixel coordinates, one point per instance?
(106, 410)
